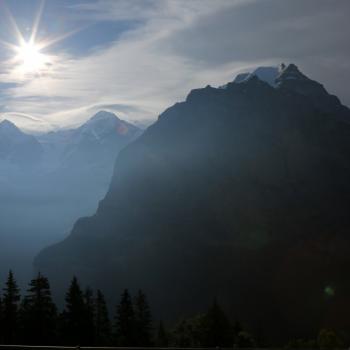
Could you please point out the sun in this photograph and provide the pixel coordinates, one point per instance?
(30, 58)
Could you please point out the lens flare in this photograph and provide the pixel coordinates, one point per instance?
(329, 291)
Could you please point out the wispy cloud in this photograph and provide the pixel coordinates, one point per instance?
(133, 72)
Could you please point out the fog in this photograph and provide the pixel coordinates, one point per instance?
(47, 182)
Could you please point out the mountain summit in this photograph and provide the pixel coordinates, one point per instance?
(266, 74)
(104, 123)
(238, 193)
(290, 72)
(6, 126)
(290, 78)
(277, 76)
(17, 147)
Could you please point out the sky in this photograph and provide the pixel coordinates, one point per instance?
(138, 57)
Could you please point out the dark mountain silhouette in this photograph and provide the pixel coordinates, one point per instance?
(240, 193)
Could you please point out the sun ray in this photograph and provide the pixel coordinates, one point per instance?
(37, 21)
(30, 57)
(14, 25)
(8, 45)
(49, 42)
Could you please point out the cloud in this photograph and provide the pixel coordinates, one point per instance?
(147, 10)
(27, 122)
(175, 46)
(133, 71)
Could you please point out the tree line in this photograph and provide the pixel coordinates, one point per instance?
(34, 319)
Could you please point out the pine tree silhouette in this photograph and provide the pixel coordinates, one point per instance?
(125, 321)
(143, 320)
(102, 322)
(181, 335)
(89, 320)
(11, 300)
(217, 328)
(162, 340)
(1, 323)
(85, 321)
(38, 314)
(72, 318)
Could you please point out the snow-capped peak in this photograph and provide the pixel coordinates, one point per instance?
(266, 74)
(103, 117)
(101, 123)
(273, 75)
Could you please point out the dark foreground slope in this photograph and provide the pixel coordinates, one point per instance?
(240, 193)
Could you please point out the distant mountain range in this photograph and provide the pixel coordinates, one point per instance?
(17, 147)
(49, 180)
(99, 136)
(91, 143)
(241, 193)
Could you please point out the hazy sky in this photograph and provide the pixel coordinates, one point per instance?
(137, 57)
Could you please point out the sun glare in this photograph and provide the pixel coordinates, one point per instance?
(30, 58)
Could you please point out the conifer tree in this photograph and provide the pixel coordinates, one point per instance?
(73, 316)
(217, 328)
(24, 319)
(38, 314)
(125, 321)
(89, 321)
(143, 320)
(11, 300)
(237, 329)
(102, 322)
(162, 340)
(1, 322)
(181, 335)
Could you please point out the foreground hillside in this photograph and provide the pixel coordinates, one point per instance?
(240, 193)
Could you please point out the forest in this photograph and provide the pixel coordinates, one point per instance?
(34, 319)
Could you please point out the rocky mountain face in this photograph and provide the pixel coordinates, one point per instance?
(47, 181)
(240, 193)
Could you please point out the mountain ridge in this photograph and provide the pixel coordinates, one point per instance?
(237, 193)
